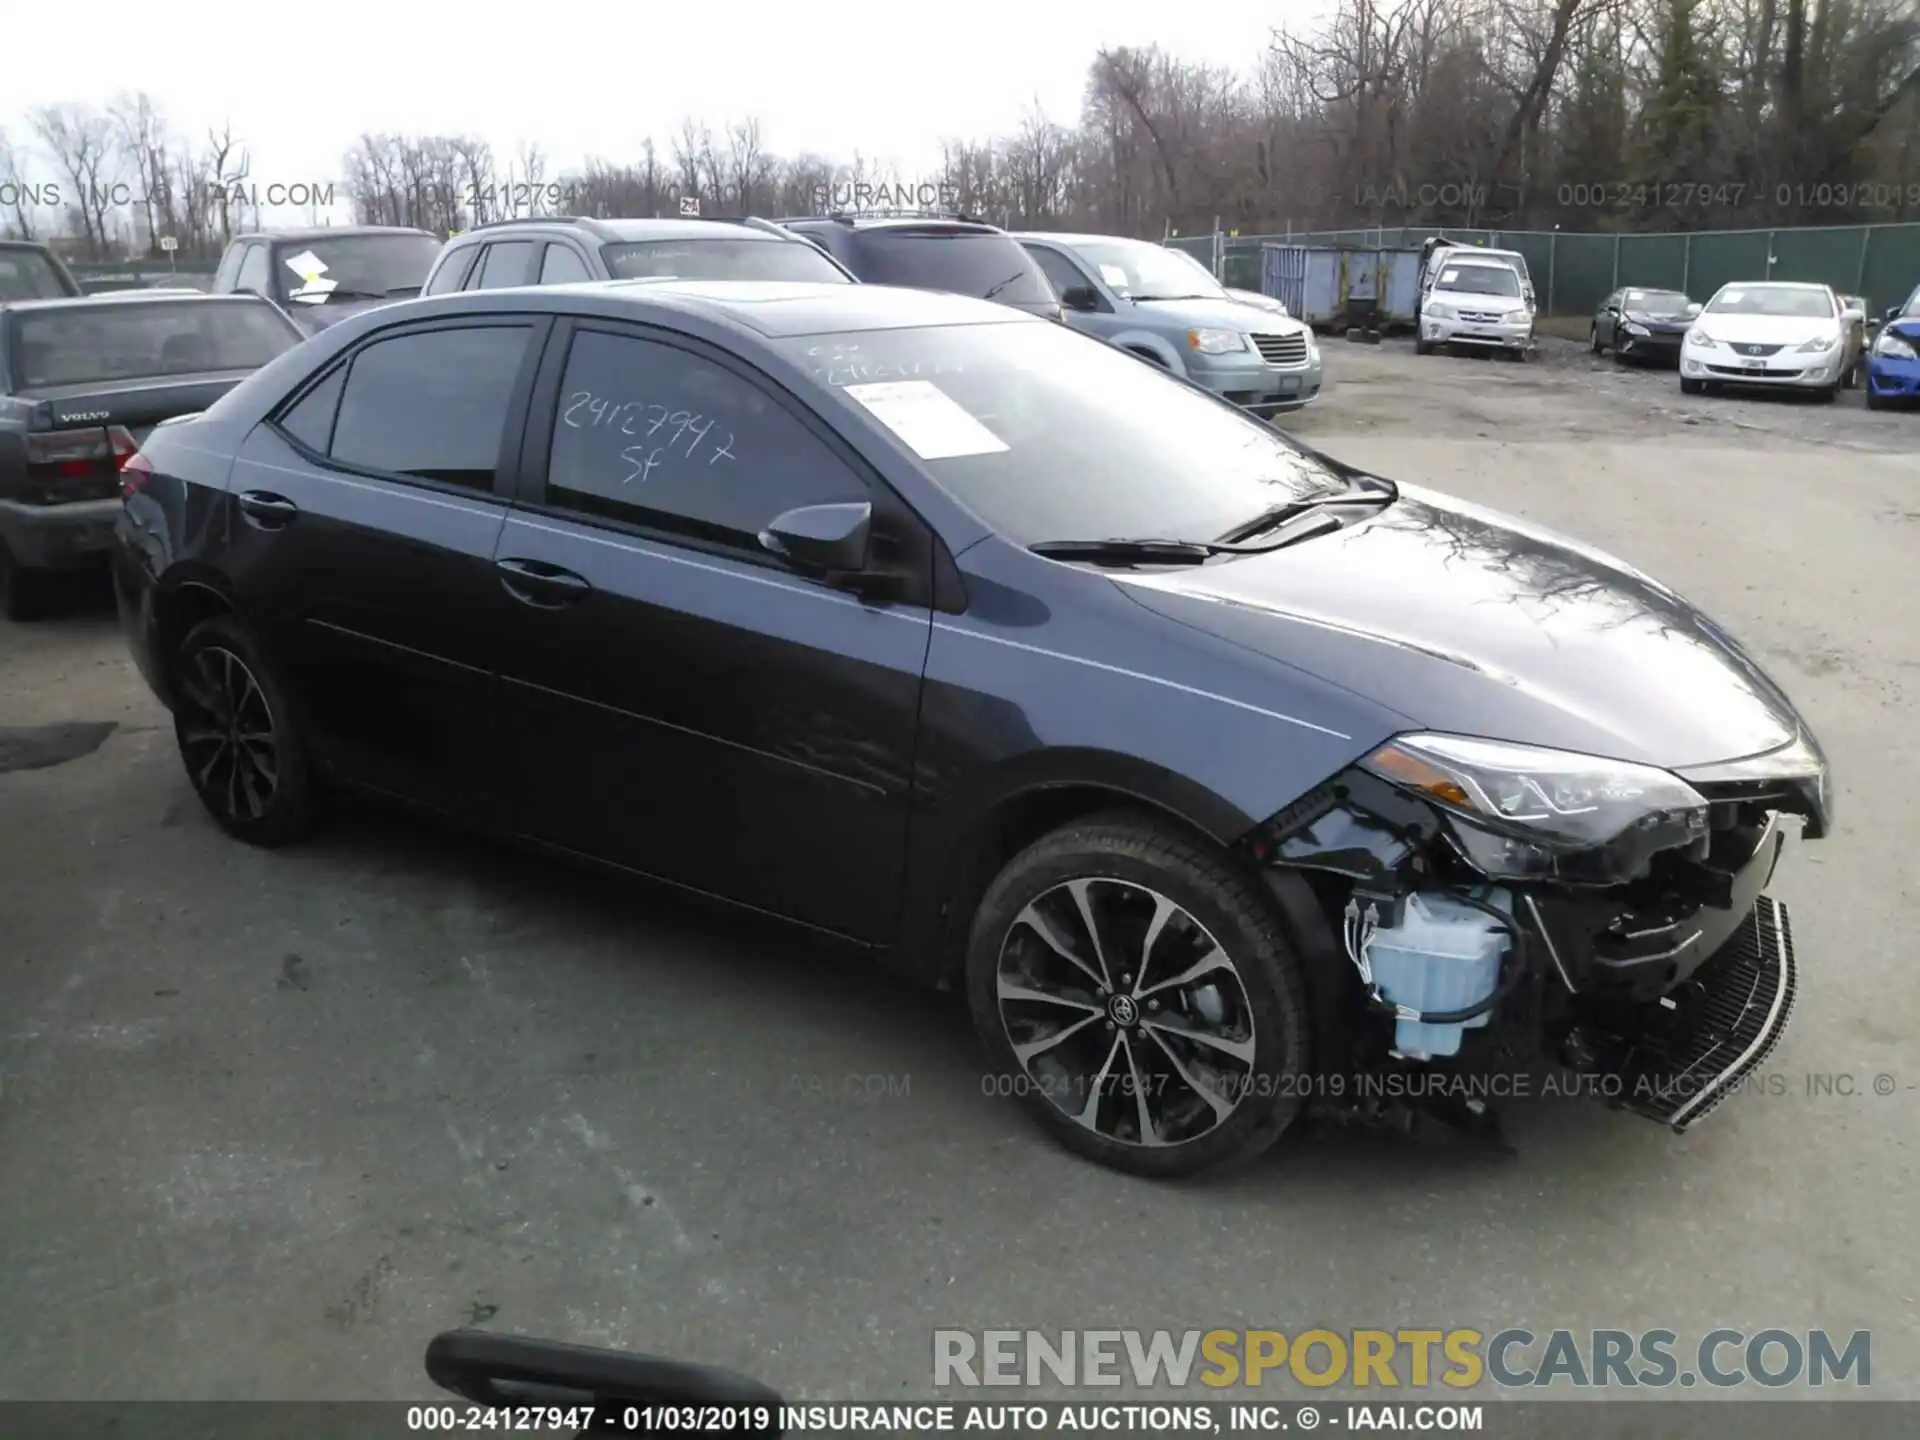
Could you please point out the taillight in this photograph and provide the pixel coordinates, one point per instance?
(70, 454)
(134, 470)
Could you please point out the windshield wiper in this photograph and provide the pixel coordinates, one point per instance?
(1122, 551)
(1277, 516)
(993, 290)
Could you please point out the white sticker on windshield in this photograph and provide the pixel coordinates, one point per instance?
(1447, 277)
(1734, 297)
(1115, 276)
(927, 418)
(312, 270)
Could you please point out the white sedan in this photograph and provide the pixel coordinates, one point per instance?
(1775, 334)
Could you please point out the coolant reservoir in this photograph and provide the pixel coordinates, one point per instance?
(1443, 955)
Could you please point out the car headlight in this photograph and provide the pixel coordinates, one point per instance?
(1634, 327)
(1519, 812)
(1439, 310)
(1818, 344)
(1700, 338)
(1216, 342)
(1893, 347)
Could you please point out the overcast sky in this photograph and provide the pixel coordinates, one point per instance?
(300, 80)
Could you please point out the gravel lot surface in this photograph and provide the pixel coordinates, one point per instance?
(268, 1121)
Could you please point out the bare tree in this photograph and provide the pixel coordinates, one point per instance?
(81, 139)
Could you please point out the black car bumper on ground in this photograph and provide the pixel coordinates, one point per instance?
(1657, 347)
(58, 537)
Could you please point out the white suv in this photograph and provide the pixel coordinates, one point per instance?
(1478, 302)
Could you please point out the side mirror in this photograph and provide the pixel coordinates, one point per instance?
(1080, 297)
(1893, 314)
(512, 1370)
(829, 538)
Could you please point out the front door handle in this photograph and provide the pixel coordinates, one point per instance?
(539, 584)
(266, 510)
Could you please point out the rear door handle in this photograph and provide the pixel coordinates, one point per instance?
(267, 510)
(544, 586)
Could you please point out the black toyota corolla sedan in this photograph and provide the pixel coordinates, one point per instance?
(1223, 778)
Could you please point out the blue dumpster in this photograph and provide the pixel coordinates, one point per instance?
(1334, 287)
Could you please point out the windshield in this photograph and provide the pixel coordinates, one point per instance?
(1795, 302)
(1053, 435)
(353, 267)
(1479, 280)
(88, 344)
(1912, 308)
(965, 262)
(732, 258)
(1656, 302)
(1135, 270)
(28, 275)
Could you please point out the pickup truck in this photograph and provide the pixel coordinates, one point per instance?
(323, 275)
(83, 380)
(30, 271)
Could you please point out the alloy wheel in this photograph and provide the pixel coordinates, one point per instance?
(1125, 1012)
(227, 734)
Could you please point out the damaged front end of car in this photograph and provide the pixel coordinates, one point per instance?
(1494, 906)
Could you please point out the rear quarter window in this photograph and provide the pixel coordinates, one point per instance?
(88, 344)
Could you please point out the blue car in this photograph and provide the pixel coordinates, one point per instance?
(1893, 360)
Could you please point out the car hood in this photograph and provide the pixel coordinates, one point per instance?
(1658, 322)
(1766, 329)
(1470, 621)
(1219, 315)
(1907, 328)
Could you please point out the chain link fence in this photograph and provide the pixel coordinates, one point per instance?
(1574, 272)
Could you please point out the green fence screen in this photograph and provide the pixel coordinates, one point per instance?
(1572, 273)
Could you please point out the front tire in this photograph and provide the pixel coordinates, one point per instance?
(1593, 340)
(1875, 400)
(1135, 991)
(233, 719)
(1690, 386)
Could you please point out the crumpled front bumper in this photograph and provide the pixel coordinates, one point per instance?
(1479, 334)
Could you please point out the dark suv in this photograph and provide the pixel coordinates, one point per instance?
(929, 252)
(322, 275)
(557, 249)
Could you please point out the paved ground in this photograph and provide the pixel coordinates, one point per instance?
(269, 1121)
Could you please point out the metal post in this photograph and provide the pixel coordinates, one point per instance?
(1616, 261)
(1770, 235)
(1686, 265)
(1866, 243)
(1553, 257)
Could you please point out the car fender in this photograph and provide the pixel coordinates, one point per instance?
(1156, 345)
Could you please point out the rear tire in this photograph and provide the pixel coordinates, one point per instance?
(234, 721)
(1106, 1030)
(26, 594)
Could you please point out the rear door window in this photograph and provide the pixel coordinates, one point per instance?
(28, 275)
(431, 404)
(965, 262)
(561, 265)
(453, 270)
(506, 263)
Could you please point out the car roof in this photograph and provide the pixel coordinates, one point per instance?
(923, 223)
(1775, 285)
(309, 233)
(130, 297)
(775, 309)
(618, 232)
(1066, 238)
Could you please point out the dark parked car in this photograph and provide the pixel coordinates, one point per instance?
(807, 597)
(560, 250)
(1642, 325)
(323, 275)
(82, 382)
(31, 271)
(933, 252)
